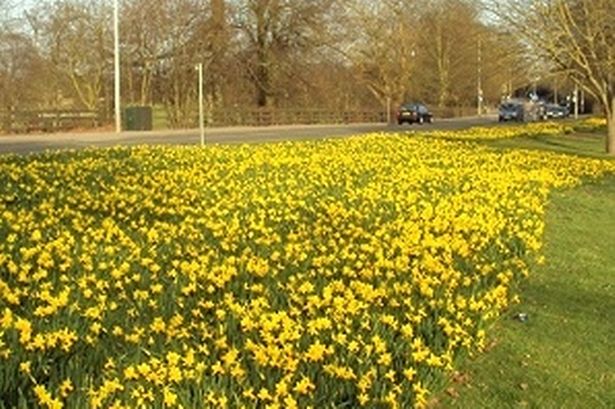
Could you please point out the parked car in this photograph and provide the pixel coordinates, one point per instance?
(414, 113)
(511, 111)
(554, 111)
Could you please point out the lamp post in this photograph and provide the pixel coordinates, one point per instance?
(479, 80)
(575, 99)
(116, 55)
(199, 68)
(555, 93)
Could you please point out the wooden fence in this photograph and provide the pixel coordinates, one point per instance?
(262, 117)
(267, 117)
(12, 122)
(453, 112)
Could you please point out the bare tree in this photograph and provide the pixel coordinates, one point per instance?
(384, 48)
(505, 66)
(7, 15)
(21, 67)
(185, 46)
(23, 71)
(437, 51)
(332, 54)
(452, 61)
(273, 30)
(75, 36)
(144, 29)
(577, 37)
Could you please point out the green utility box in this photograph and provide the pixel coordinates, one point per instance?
(138, 118)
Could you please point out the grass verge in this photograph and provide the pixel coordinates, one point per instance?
(563, 356)
(588, 144)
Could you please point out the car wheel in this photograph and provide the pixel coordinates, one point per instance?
(421, 120)
(430, 120)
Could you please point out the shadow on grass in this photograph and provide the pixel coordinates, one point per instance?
(589, 145)
(589, 308)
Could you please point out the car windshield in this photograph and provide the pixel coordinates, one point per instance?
(416, 107)
(508, 107)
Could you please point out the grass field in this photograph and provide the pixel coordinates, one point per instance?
(587, 144)
(562, 357)
(339, 273)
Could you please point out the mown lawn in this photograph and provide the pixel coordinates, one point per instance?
(563, 356)
(577, 143)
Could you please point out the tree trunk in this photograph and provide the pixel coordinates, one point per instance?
(262, 56)
(262, 85)
(610, 123)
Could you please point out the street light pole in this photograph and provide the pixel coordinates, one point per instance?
(201, 107)
(116, 54)
(576, 101)
(479, 82)
(555, 93)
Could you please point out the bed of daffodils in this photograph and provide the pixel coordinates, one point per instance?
(592, 124)
(340, 273)
(531, 129)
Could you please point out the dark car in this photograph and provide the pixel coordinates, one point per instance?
(554, 111)
(414, 113)
(511, 111)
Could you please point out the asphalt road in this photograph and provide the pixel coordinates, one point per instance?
(23, 144)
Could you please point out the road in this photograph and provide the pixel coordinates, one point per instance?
(24, 144)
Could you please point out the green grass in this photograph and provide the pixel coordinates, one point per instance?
(160, 120)
(582, 144)
(564, 355)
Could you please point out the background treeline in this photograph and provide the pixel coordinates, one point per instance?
(282, 54)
